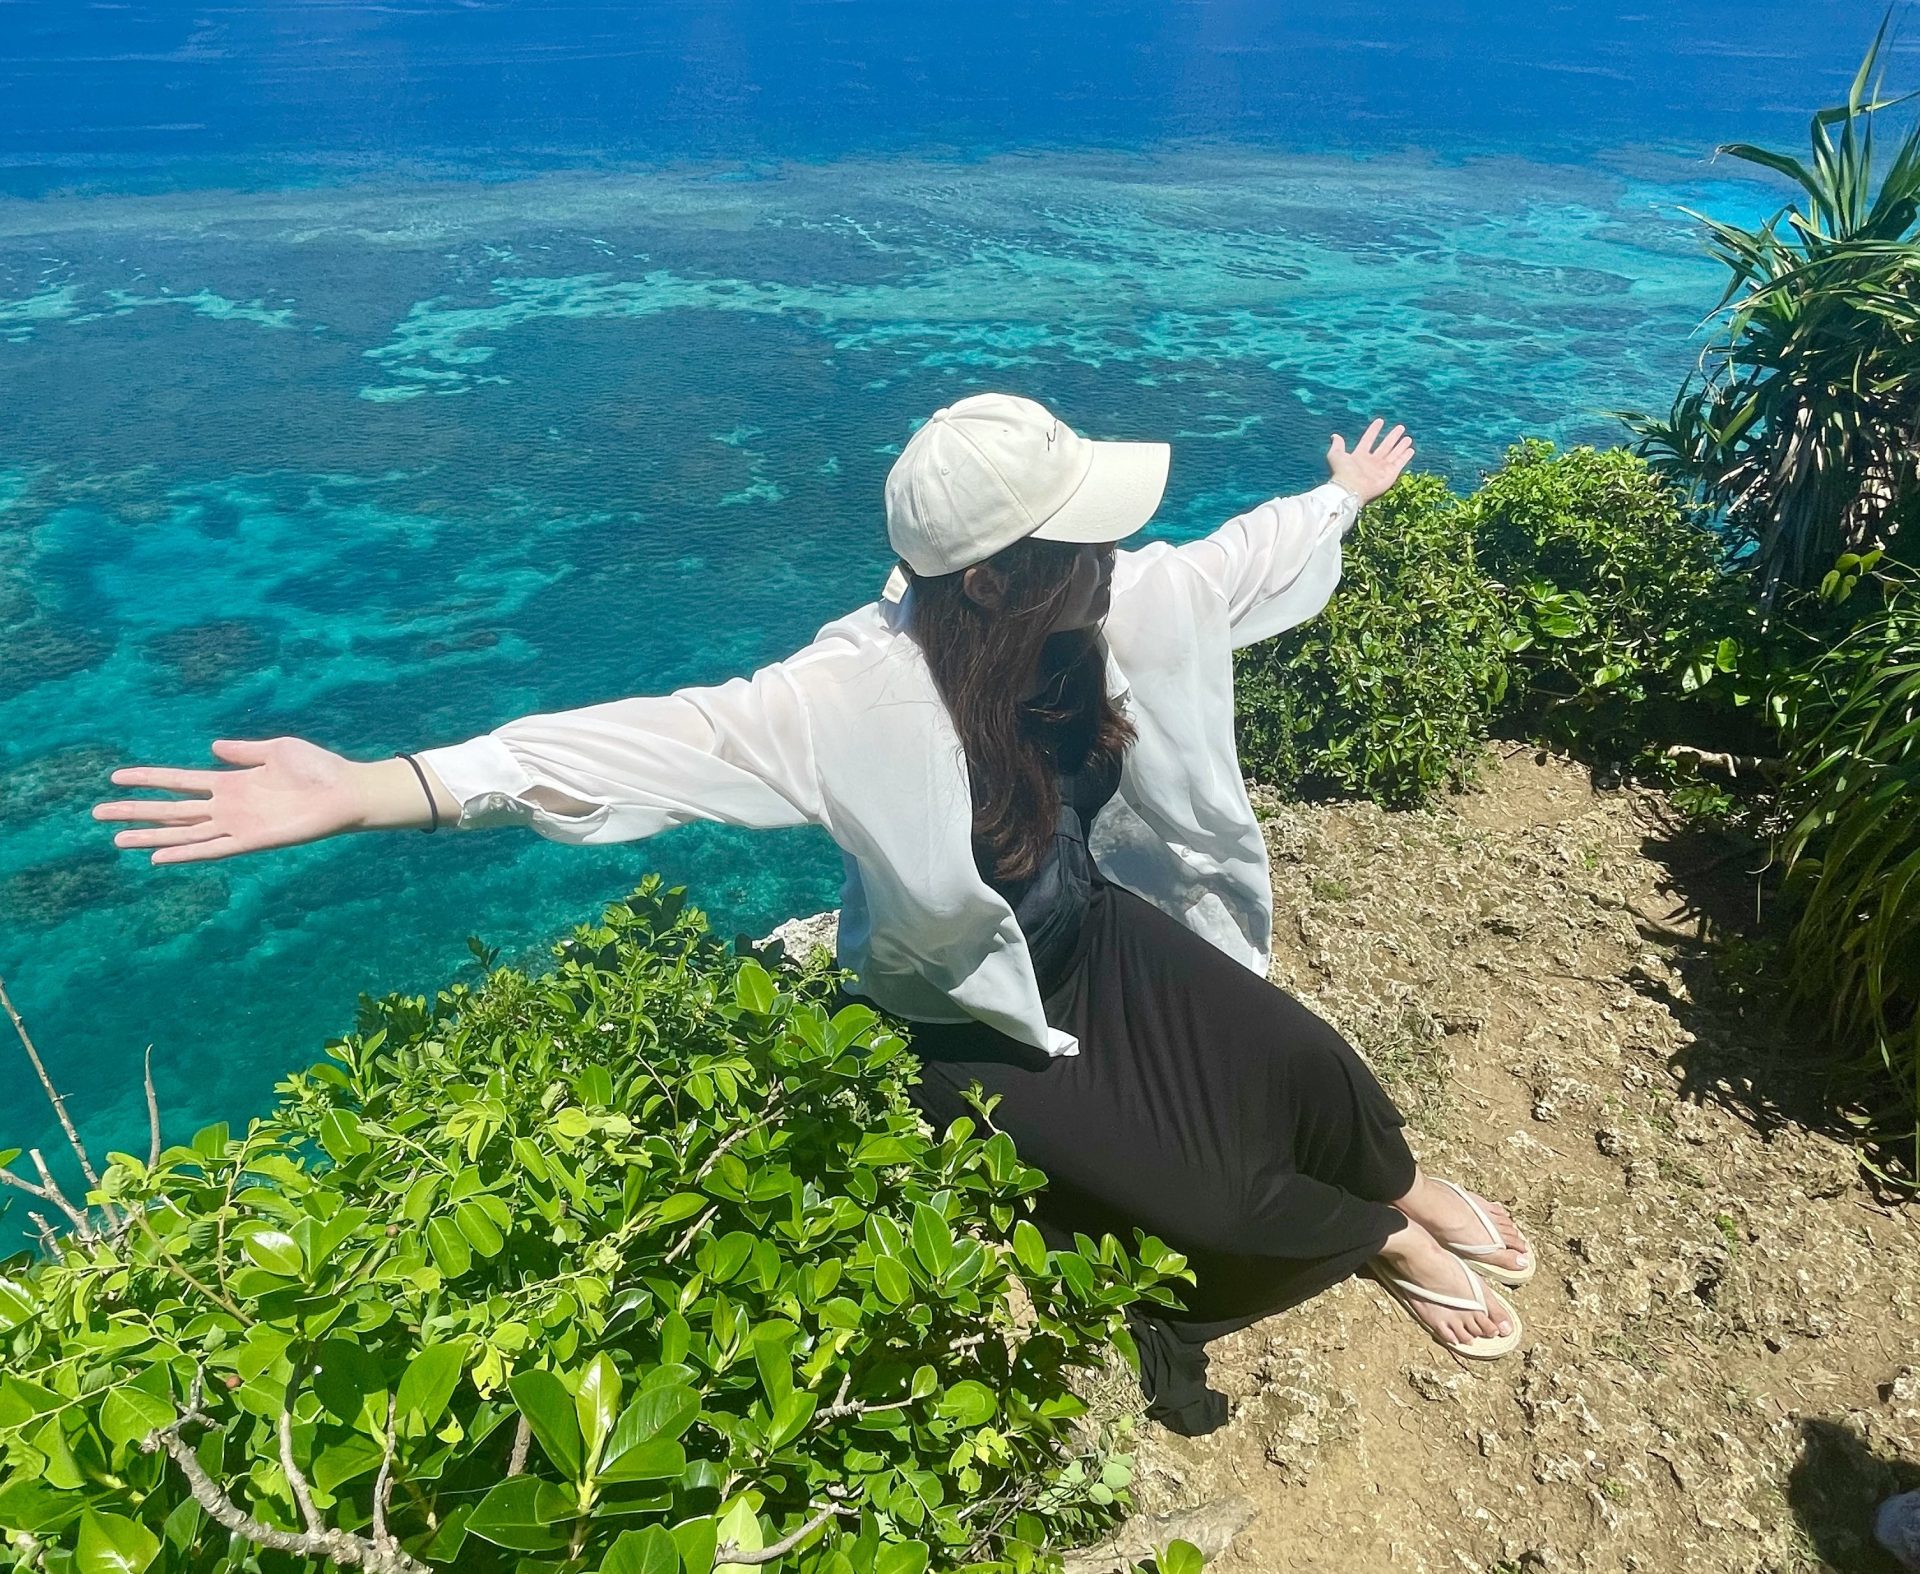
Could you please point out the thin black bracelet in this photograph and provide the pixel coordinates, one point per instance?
(432, 807)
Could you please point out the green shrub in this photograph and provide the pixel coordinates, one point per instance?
(1801, 428)
(1628, 629)
(1388, 693)
(644, 1264)
(1853, 853)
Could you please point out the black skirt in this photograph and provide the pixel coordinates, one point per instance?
(1206, 1106)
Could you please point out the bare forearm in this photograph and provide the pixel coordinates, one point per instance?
(386, 796)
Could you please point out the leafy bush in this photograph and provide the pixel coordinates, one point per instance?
(1802, 428)
(645, 1264)
(1627, 627)
(1853, 852)
(1387, 693)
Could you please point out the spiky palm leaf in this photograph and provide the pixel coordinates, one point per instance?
(1801, 424)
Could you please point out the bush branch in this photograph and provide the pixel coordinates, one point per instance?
(383, 1486)
(53, 1093)
(693, 1232)
(51, 1192)
(47, 1238)
(153, 1113)
(1732, 764)
(337, 1547)
(296, 1483)
(728, 1552)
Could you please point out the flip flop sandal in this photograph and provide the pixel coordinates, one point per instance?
(1485, 1298)
(1475, 1256)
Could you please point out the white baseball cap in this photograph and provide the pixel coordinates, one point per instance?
(994, 468)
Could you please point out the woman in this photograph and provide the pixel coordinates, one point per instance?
(1025, 752)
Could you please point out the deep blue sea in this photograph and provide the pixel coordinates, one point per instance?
(376, 373)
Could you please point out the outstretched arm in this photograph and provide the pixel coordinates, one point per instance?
(284, 791)
(1276, 565)
(740, 753)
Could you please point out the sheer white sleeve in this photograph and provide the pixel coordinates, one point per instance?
(740, 753)
(1277, 565)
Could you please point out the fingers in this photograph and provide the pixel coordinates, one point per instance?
(169, 836)
(166, 778)
(161, 811)
(199, 852)
(241, 751)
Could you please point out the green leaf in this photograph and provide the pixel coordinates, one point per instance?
(659, 1460)
(430, 1380)
(524, 1513)
(753, 988)
(543, 1399)
(790, 1418)
(130, 1415)
(341, 1136)
(449, 1247)
(354, 1455)
(113, 1544)
(903, 1557)
(16, 1303)
(1181, 1557)
(1030, 1246)
(649, 1551)
(891, 1279)
(274, 1250)
(932, 1240)
(666, 1412)
(740, 1527)
(596, 1401)
(481, 1232)
(969, 1403)
(26, 1504)
(419, 1199)
(697, 1539)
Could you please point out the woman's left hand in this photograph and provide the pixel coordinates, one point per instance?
(1373, 464)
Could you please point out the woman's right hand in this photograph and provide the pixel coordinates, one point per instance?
(289, 791)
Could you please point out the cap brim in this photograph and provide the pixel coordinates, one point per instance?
(1121, 493)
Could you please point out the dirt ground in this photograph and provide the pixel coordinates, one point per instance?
(1721, 1368)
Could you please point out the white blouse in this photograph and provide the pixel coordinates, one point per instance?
(851, 735)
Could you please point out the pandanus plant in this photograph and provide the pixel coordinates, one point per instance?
(1800, 424)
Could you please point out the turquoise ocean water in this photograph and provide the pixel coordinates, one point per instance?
(376, 374)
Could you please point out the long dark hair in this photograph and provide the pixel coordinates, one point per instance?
(980, 659)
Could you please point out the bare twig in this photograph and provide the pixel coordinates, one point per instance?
(50, 1190)
(383, 1484)
(337, 1547)
(1732, 764)
(173, 1262)
(8, 1178)
(767, 1113)
(728, 1552)
(296, 1483)
(522, 1438)
(47, 1238)
(841, 1408)
(53, 1093)
(693, 1232)
(153, 1113)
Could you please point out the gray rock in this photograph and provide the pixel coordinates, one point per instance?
(803, 936)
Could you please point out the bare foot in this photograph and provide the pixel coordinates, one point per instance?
(1414, 1255)
(1447, 1218)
